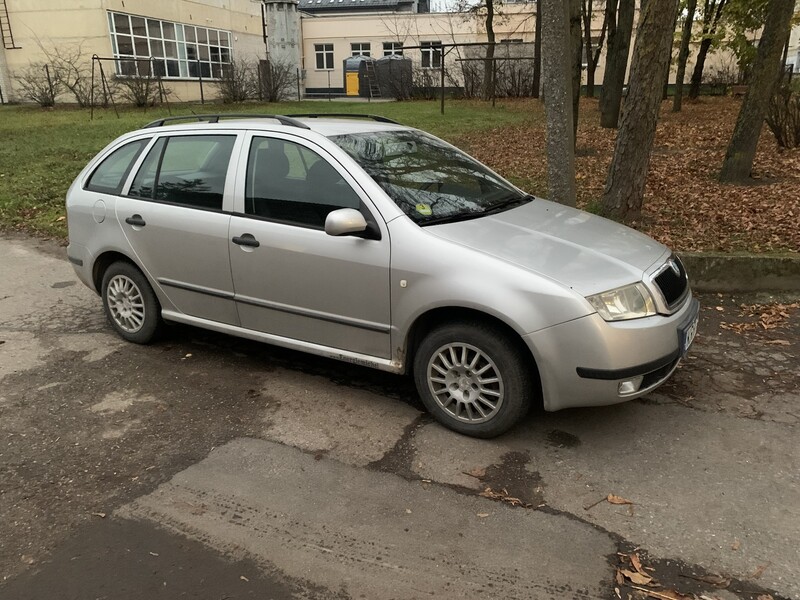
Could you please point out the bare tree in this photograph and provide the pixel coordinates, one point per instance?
(277, 79)
(783, 117)
(537, 51)
(40, 83)
(592, 51)
(239, 81)
(712, 14)
(683, 54)
(576, 54)
(766, 73)
(619, 14)
(627, 174)
(556, 70)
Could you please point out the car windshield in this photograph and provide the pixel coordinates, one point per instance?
(431, 181)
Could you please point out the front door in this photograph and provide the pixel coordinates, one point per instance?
(292, 279)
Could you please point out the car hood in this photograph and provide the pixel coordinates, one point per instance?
(582, 251)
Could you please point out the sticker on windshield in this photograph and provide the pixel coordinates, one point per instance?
(424, 209)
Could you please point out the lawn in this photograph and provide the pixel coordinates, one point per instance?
(41, 151)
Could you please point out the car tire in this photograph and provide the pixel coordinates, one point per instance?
(130, 304)
(473, 379)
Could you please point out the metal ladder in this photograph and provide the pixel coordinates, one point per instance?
(372, 77)
(5, 28)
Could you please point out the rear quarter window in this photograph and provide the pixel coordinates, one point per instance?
(111, 173)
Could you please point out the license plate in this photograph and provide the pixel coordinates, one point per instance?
(687, 333)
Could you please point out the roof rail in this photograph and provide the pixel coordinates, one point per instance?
(377, 118)
(283, 120)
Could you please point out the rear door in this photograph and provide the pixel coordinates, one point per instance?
(291, 278)
(175, 215)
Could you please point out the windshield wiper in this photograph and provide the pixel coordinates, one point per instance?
(510, 202)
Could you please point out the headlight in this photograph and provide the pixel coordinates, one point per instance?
(629, 302)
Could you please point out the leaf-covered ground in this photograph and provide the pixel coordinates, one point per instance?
(685, 206)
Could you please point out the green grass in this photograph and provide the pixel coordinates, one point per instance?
(41, 151)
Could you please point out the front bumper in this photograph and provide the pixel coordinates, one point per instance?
(585, 361)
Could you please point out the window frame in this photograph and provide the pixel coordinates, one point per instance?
(117, 191)
(323, 50)
(171, 58)
(431, 50)
(391, 48)
(361, 51)
(228, 198)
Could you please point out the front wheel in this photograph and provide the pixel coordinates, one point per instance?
(130, 303)
(473, 379)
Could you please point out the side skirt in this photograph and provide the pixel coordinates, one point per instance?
(284, 342)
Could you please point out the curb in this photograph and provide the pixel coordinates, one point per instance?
(717, 272)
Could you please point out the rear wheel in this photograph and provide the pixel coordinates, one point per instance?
(473, 379)
(130, 304)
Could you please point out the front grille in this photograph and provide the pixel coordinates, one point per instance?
(673, 285)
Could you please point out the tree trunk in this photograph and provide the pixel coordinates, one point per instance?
(537, 51)
(616, 62)
(665, 95)
(586, 14)
(577, 61)
(488, 64)
(556, 74)
(711, 17)
(766, 73)
(683, 54)
(628, 172)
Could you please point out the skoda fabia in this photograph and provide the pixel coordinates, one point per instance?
(370, 242)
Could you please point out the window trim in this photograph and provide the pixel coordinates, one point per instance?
(320, 50)
(393, 47)
(431, 49)
(361, 51)
(126, 175)
(224, 51)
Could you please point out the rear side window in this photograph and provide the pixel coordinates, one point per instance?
(109, 177)
(186, 170)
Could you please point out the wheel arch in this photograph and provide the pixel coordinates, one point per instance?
(105, 260)
(430, 319)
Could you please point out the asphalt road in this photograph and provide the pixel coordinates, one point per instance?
(210, 467)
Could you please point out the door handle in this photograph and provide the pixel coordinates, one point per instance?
(136, 220)
(246, 239)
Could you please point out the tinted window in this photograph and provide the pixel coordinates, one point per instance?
(110, 175)
(289, 183)
(188, 170)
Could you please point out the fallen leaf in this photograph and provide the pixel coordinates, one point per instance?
(102, 515)
(243, 578)
(736, 544)
(636, 563)
(779, 342)
(408, 511)
(477, 472)
(662, 594)
(634, 577)
(153, 553)
(759, 571)
(612, 499)
(482, 515)
(718, 581)
(765, 597)
(27, 559)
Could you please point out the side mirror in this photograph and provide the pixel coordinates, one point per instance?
(345, 221)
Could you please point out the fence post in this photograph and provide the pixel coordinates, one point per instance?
(49, 83)
(91, 92)
(441, 65)
(200, 79)
(297, 80)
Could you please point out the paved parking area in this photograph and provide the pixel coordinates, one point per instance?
(207, 466)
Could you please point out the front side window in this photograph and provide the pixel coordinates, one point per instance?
(360, 49)
(110, 175)
(152, 47)
(393, 48)
(324, 56)
(188, 170)
(431, 54)
(291, 184)
(429, 180)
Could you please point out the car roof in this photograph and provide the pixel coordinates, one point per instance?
(321, 124)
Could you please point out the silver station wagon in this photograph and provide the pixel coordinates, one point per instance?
(359, 239)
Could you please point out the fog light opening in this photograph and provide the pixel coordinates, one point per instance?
(629, 386)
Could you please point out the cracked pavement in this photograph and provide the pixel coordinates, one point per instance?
(212, 467)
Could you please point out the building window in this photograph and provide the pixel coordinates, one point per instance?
(360, 49)
(390, 48)
(511, 41)
(324, 54)
(431, 55)
(147, 47)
